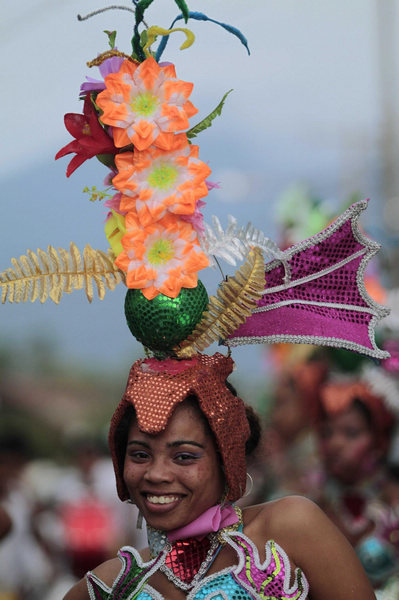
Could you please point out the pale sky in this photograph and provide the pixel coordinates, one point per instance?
(306, 107)
(312, 73)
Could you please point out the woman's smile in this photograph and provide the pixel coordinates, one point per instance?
(152, 499)
(162, 503)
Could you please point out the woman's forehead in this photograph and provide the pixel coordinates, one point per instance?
(353, 415)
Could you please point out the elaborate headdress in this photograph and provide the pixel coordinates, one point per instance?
(136, 121)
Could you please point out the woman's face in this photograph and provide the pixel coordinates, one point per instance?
(348, 446)
(288, 417)
(173, 476)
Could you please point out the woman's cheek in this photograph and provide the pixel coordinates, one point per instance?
(362, 452)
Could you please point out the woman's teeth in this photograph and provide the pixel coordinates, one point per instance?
(162, 499)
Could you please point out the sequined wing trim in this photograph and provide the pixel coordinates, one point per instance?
(131, 578)
(304, 309)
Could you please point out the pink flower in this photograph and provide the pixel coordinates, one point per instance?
(110, 65)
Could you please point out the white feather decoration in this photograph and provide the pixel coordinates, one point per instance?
(384, 385)
(235, 243)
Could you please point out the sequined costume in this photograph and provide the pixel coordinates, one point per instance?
(248, 579)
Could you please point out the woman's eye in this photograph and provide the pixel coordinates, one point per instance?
(185, 457)
(353, 433)
(139, 455)
(325, 433)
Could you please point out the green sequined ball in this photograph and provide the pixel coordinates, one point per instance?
(161, 323)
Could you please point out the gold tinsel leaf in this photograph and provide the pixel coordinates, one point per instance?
(235, 300)
(96, 62)
(68, 279)
(55, 272)
(88, 282)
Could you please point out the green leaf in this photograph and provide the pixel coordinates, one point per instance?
(141, 7)
(107, 159)
(184, 9)
(134, 54)
(111, 38)
(143, 38)
(93, 97)
(207, 122)
(95, 194)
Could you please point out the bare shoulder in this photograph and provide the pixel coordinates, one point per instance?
(107, 572)
(297, 512)
(286, 521)
(284, 514)
(296, 523)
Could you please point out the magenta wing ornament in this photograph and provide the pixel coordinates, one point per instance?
(321, 297)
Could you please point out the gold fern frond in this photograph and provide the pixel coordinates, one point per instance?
(49, 275)
(235, 300)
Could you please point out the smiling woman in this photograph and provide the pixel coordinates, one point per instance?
(178, 440)
(174, 476)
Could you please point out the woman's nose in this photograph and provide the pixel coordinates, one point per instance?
(336, 442)
(158, 470)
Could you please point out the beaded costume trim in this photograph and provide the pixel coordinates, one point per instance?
(248, 579)
(132, 577)
(270, 578)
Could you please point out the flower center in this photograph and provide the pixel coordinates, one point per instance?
(160, 252)
(144, 104)
(163, 177)
(86, 129)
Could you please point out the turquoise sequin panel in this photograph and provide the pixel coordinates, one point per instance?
(232, 590)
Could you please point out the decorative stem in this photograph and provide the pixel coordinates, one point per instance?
(220, 268)
(101, 10)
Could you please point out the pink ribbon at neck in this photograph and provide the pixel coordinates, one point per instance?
(213, 519)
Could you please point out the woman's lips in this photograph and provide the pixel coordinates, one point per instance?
(162, 499)
(161, 502)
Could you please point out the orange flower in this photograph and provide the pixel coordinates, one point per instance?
(145, 104)
(162, 258)
(155, 182)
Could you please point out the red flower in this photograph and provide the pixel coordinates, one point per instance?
(90, 137)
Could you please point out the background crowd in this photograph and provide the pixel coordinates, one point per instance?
(325, 83)
(331, 433)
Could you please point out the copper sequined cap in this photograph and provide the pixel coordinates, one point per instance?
(156, 387)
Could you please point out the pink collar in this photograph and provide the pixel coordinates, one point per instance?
(213, 519)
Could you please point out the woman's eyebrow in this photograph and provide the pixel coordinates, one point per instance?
(184, 442)
(139, 443)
